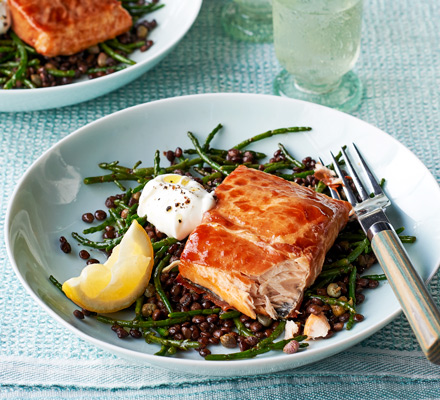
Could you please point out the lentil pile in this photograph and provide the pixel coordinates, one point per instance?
(22, 67)
(179, 317)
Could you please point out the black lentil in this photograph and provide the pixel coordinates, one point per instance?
(84, 254)
(372, 284)
(195, 333)
(109, 234)
(195, 306)
(225, 329)
(314, 309)
(266, 332)
(100, 215)
(78, 314)
(344, 317)
(213, 340)
(228, 323)
(204, 352)
(185, 300)
(212, 318)
(205, 327)
(207, 304)
(88, 217)
(329, 335)
(217, 333)
(338, 326)
(135, 333)
(122, 333)
(242, 344)
(198, 319)
(358, 317)
(157, 314)
(178, 152)
(65, 246)
(244, 318)
(186, 332)
(110, 202)
(255, 326)
(360, 298)
(251, 340)
(87, 313)
(173, 330)
(363, 282)
(203, 341)
(317, 302)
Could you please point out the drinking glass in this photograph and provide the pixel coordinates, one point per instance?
(318, 43)
(249, 20)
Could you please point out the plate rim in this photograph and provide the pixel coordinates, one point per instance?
(254, 363)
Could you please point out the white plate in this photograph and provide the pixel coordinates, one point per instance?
(50, 199)
(174, 21)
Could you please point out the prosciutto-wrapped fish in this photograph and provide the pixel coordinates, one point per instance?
(64, 27)
(263, 243)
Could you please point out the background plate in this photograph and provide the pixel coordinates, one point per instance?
(50, 199)
(174, 21)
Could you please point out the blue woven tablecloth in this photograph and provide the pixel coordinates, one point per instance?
(400, 68)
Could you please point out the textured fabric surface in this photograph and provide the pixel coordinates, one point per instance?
(399, 66)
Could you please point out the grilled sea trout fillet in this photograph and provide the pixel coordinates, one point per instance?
(65, 27)
(263, 243)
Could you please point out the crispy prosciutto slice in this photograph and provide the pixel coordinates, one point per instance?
(263, 243)
(64, 27)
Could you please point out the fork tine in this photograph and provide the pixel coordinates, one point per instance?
(357, 182)
(334, 193)
(376, 187)
(347, 190)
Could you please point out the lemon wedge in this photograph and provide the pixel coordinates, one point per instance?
(116, 284)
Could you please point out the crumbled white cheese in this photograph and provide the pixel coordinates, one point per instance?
(290, 330)
(316, 326)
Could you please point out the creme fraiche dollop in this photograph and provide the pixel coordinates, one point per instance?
(174, 204)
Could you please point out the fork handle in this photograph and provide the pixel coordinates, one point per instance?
(415, 300)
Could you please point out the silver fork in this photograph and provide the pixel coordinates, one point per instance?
(415, 300)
